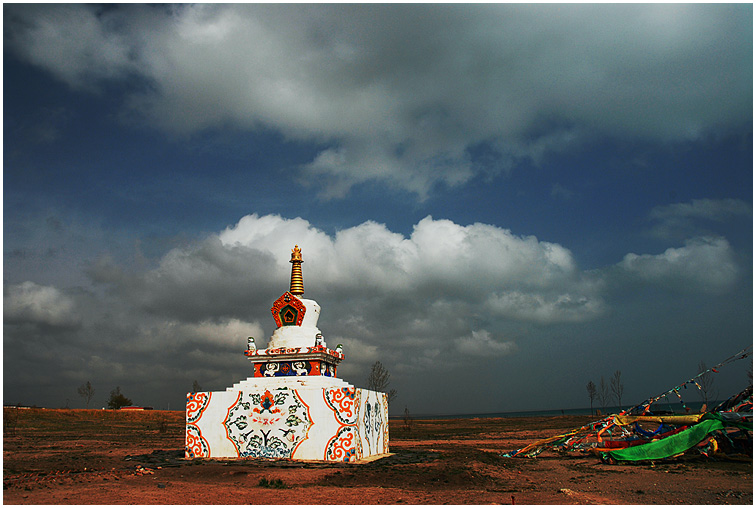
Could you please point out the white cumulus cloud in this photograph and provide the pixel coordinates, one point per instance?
(481, 343)
(47, 305)
(439, 256)
(702, 264)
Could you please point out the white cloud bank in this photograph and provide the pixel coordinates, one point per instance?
(386, 89)
(446, 296)
(439, 283)
(424, 291)
(439, 260)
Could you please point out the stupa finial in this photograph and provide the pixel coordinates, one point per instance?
(297, 282)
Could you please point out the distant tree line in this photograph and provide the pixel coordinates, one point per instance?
(605, 392)
(117, 400)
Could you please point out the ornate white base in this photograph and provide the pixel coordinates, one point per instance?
(305, 418)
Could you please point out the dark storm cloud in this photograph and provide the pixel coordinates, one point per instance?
(222, 273)
(402, 93)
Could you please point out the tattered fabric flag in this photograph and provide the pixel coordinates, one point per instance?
(677, 443)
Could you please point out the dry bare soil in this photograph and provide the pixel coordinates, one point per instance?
(123, 457)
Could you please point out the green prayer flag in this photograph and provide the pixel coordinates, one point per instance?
(676, 443)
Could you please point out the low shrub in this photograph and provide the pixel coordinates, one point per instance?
(272, 484)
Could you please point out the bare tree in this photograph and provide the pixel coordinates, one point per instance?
(591, 387)
(86, 391)
(603, 394)
(617, 387)
(706, 384)
(378, 380)
(407, 419)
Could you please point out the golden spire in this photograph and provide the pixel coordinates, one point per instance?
(297, 283)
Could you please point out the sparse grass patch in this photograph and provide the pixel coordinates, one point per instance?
(272, 484)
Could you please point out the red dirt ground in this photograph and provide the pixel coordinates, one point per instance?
(120, 457)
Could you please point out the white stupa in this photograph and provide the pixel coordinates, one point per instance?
(293, 405)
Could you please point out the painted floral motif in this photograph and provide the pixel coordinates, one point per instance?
(196, 403)
(268, 424)
(343, 446)
(367, 421)
(196, 445)
(342, 401)
(378, 419)
(373, 423)
(384, 398)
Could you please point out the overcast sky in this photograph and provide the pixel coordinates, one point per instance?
(498, 202)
